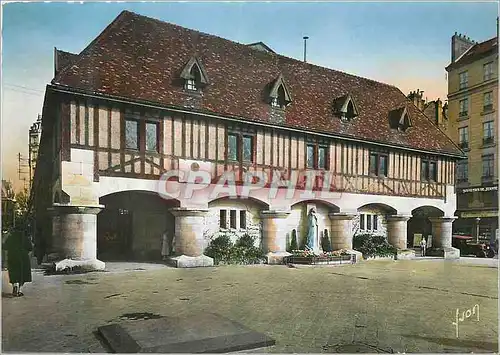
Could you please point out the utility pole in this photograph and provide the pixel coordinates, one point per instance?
(22, 164)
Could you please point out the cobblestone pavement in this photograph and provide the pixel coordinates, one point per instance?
(403, 306)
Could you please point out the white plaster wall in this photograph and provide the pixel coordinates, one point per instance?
(298, 220)
(381, 220)
(253, 220)
(77, 178)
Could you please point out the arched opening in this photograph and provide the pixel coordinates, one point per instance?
(132, 224)
(419, 226)
(235, 217)
(372, 219)
(298, 220)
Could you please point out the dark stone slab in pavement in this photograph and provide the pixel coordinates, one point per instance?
(204, 333)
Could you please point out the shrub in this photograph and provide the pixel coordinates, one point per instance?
(219, 248)
(372, 245)
(325, 242)
(244, 251)
(293, 242)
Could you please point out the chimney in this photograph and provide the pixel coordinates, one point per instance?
(459, 45)
(417, 98)
(439, 112)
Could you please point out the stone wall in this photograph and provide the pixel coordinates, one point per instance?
(253, 221)
(77, 178)
(382, 221)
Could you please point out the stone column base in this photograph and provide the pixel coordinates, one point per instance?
(405, 254)
(185, 261)
(447, 253)
(81, 265)
(276, 258)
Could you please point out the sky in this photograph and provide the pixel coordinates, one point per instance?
(403, 44)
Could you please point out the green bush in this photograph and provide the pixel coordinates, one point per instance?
(219, 248)
(325, 242)
(293, 242)
(222, 250)
(373, 245)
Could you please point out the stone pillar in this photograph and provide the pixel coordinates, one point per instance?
(397, 235)
(274, 235)
(341, 230)
(397, 231)
(189, 239)
(441, 237)
(75, 236)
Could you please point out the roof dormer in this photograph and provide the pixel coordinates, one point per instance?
(280, 95)
(194, 75)
(345, 107)
(400, 119)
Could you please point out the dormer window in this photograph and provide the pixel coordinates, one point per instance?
(279, 95)
(345, 108)
(194, 75)
(400, 119)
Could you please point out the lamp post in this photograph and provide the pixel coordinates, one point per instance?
(477, 229)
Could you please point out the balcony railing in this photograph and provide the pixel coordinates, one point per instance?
(463, 113)
(488, 140)
(488, 76)
(487, 176)
(488, 108)
(463, 145)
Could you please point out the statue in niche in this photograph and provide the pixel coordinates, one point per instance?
(312, 231)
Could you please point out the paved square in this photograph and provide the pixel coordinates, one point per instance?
(403, 306)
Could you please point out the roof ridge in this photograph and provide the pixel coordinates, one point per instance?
(92, 43)
(273, 54)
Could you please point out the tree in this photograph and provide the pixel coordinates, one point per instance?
(293, 242)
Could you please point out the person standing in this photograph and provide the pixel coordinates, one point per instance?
(164, 246)
(423, 245)
(18, 247)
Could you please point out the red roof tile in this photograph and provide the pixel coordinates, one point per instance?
(141, 59)
(63, 59)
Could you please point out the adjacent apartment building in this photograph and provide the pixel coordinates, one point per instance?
(147, 97)
(473, 120)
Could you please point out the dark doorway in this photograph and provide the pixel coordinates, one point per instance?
(115, 235)
(132, 225)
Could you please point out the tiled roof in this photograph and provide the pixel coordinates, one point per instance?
(63, 59)
(476, 52)
(141, 59)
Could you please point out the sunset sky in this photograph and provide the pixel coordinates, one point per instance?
(403, 44)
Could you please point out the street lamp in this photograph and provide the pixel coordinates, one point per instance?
(477, 229)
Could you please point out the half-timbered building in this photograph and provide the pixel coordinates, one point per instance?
(148, 97)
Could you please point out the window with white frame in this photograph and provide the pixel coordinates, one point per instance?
(488, 71)
(464, 79)
(368, 222)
